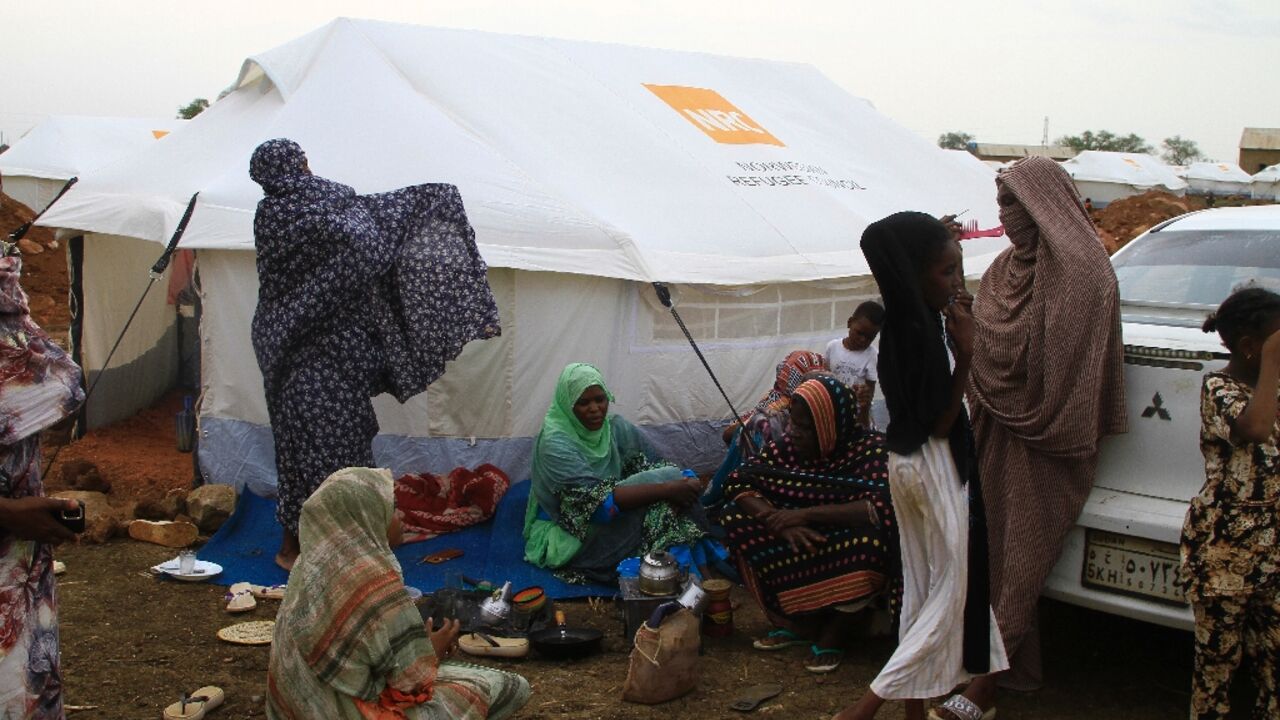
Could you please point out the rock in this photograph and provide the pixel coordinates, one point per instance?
(164, 532)
(210, 505)
(30, 247)
(84, 475)
(162, 507)
(101, 518)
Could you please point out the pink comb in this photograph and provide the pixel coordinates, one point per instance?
(970, 230)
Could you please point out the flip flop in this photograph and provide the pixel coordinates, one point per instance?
(267, 592)
(195, 707)
(754, 696)
(823, 660)
(240, 598)
(963, 708)
(486, 646)
(789, 639)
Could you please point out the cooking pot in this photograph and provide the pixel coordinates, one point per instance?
(659, 574)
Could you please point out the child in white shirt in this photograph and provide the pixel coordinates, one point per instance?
(852, 359)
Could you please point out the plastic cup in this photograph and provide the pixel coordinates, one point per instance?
(187, 562)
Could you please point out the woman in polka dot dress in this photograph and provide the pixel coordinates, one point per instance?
(811, 524)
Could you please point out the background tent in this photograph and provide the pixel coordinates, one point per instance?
(1106, 176)
(66, 146)
(1266, 184)
(588, 171)
(1217, 178)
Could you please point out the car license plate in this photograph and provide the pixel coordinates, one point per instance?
(1132, 566)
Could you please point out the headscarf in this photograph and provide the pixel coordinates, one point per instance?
(1049, 361)
(914, 371)
(595, 445)
(39, 384)
(842, 442)
(347, 622)
(787, 376)
(277, 164)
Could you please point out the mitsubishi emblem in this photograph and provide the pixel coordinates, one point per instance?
(1157, 408)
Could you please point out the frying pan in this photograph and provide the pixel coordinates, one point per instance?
(559, 642)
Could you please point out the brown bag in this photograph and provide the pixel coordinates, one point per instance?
(664, 662)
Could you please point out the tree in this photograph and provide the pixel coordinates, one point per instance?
(1105, 140)
(1178, 151)
(955, 140)
(192, 109)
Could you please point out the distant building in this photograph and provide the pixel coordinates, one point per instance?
(1004, 153)
(1259, 149)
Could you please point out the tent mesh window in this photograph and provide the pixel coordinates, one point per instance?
(749, 313)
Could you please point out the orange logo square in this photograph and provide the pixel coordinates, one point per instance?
(713, 115)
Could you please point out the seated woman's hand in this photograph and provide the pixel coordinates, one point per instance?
(803, 539)
(445, 638)
(780, 520)
(683, 493)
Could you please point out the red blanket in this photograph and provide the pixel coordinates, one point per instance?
(431, 505)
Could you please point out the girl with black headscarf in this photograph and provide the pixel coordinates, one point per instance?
(358, 295)
(948, 634)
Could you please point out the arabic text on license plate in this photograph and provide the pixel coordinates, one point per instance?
(1132, 566)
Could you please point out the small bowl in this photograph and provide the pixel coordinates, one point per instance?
(414, 593)
(530, 599)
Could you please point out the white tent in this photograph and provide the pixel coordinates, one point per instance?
(1217, 178)
(588, 171)
(1107, 176)
(973, 163)
(1266, 184)
(36, 167)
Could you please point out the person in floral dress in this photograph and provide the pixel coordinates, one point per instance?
(1230, 555)
(39, 385)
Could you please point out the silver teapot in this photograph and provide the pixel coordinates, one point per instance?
(660, 574)
(497, 607)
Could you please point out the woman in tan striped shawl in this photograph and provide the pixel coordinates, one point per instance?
(349, 643)
(1046, 386)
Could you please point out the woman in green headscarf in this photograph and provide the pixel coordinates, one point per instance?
(599, 493)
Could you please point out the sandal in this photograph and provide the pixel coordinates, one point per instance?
(267, 592)
(823, 660)
(752, 697)
(240, 598)
(962, 708)
(195, 707)
(784, 638)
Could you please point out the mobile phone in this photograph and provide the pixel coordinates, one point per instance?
(72, 520)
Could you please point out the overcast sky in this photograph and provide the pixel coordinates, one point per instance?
(1202, 69)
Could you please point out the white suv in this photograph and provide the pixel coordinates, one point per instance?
(1122, 556)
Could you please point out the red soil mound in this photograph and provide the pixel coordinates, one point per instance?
(44, 270)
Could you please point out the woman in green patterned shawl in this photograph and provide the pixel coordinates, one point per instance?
(349, 643)
(599, 493)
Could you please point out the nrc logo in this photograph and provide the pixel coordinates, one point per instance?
(711, 113)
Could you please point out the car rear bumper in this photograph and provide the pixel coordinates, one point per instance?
(1136, 515)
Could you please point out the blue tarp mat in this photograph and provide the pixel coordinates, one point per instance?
(245, 546)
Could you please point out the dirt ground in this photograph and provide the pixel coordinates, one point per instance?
(131, 643)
